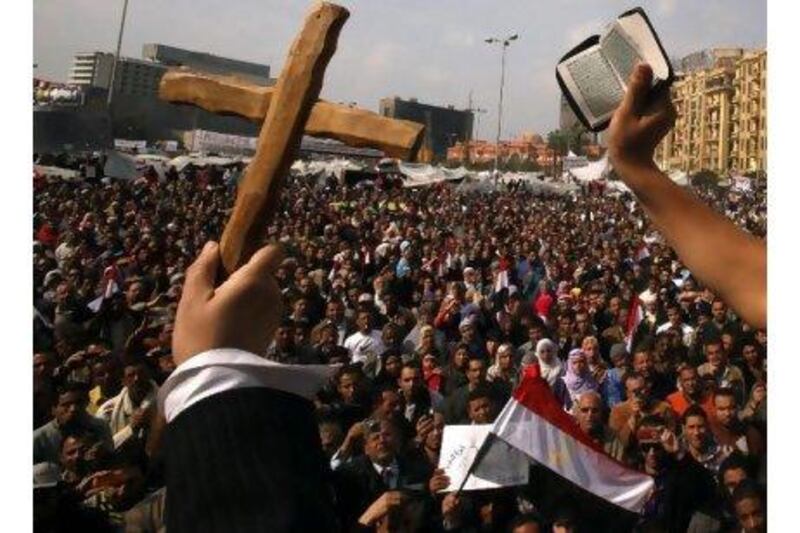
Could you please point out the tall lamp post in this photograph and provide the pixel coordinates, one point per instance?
(116, 55)
(504, 43)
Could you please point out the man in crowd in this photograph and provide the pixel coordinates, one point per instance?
(129, 413)
(730, 432)
(718, 368)
(588, 413)
(365, 345)
(640, 403)
(456, 404)
(699, 441)
(379, 473)
(69, 415)
(690, 392)
(659, 384)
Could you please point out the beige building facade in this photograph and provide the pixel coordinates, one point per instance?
(722, 117)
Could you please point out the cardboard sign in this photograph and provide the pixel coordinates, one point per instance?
(502, 466)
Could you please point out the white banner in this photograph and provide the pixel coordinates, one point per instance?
(128, 144)
(502, 466)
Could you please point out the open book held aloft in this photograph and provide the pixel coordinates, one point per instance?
(594, 75)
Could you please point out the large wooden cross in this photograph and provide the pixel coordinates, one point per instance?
(288, 109)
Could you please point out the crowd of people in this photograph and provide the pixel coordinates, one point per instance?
(432, 302)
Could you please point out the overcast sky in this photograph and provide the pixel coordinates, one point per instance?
(429, 49)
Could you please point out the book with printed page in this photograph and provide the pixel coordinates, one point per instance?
(594, 75)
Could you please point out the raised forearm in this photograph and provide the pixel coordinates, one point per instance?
(724, 257)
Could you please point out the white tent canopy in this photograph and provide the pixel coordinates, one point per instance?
(182, 161)
(418, 174)
(63, 173)
(593, 171)
(334, 167)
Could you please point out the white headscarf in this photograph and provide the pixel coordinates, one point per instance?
(553, 370)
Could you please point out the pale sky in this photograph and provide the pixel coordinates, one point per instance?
(433, 50)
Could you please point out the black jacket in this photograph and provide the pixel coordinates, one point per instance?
(358, 484)
(248, 459)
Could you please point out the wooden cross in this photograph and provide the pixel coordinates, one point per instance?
(288, 109)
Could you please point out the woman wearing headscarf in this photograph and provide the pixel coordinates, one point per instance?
(503, 369)
(550, 366)
(578, 378)
(427, 345)
(455, 373)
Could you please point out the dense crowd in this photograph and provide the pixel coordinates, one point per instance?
(433, 302)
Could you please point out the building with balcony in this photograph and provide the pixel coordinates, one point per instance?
(721, 122)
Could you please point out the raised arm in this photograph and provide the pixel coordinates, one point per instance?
(727, 259)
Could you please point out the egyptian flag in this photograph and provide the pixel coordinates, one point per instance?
(111, 283)
(534, 422)
(635, 317)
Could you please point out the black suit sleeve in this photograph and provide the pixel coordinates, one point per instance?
(248, 459)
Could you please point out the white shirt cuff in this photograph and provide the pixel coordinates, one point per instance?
(226, 369)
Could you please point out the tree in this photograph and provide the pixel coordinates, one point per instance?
(557, 144)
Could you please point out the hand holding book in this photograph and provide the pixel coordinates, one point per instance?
(639, 123)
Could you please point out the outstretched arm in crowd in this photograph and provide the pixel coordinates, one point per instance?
(727, 259)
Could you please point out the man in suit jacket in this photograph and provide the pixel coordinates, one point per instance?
(242, 447)
(362, 482)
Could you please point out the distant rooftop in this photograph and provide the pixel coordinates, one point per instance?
(210, 63)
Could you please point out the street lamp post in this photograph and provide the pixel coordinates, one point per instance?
(116, 55)
(503, 45)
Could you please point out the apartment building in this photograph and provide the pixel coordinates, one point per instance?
(721, 124)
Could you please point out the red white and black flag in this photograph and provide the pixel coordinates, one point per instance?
(534, 422)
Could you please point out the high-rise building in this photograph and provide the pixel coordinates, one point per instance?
(749, 148)
(91, 69)
(171, 56)
(444, 126)
(137, 111)
(721, 123)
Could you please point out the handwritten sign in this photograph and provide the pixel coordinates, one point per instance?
(502, 466)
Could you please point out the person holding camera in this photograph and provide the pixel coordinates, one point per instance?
(626, 415)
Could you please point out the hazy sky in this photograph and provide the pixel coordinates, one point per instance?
(429, 49)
